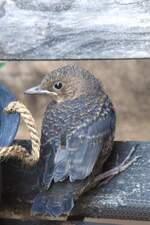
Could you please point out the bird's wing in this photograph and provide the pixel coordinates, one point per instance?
(83, 148)
(50, 141)
(56, 123)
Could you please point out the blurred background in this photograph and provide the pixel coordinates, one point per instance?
(127, 82)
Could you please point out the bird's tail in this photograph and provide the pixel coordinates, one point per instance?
(54, 202)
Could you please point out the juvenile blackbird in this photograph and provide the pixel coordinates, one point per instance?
(77, 137)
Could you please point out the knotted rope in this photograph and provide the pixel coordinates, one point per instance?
(18, 151)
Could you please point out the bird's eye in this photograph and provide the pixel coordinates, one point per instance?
(58, 85)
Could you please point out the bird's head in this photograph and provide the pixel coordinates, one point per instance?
(68, 82)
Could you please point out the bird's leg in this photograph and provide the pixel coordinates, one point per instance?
(105, 177)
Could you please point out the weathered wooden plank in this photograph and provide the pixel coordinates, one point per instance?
(127, 196)
(74, 29)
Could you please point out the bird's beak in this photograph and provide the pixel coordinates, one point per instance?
(38, 90)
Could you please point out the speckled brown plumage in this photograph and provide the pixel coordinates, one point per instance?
(77, 137)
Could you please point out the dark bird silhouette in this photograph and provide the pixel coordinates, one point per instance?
(77, 137)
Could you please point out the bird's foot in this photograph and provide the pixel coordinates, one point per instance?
(105, 177)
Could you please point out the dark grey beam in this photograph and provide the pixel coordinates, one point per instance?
(127, 196)
(37, 222)
(74, 29)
